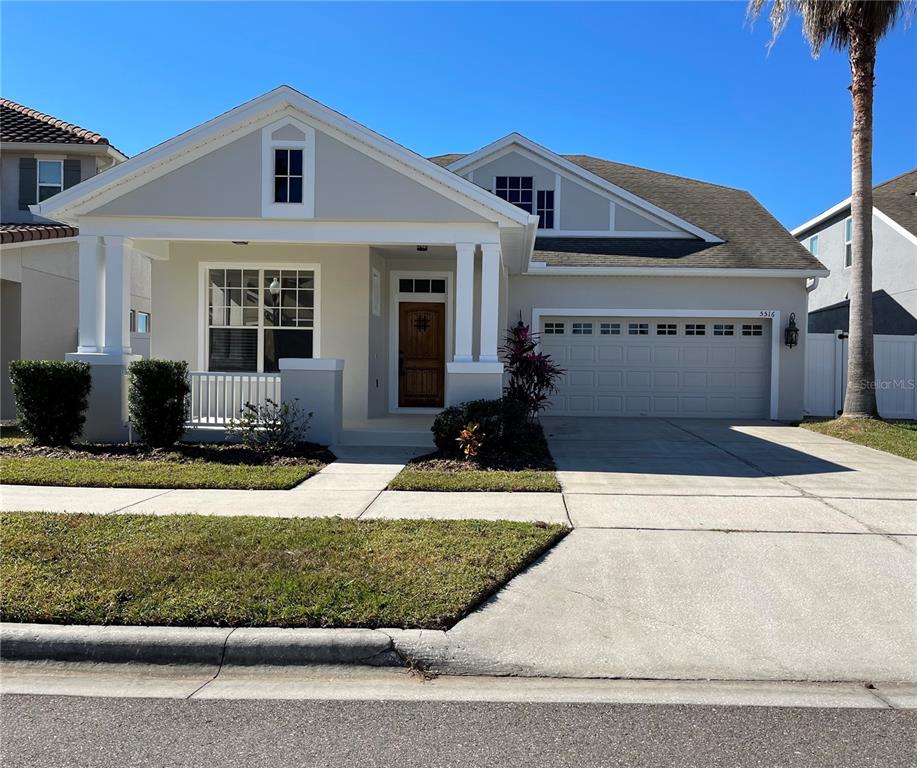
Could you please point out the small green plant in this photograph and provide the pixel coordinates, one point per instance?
(158, 400)
(51, 398)
(272, 427)
(502, 421)
(470, 440)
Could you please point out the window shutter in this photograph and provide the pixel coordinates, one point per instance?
(28, 182)
(71, 173)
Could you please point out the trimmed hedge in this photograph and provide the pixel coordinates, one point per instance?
(501, 421)
(158, 400)
(51, 397)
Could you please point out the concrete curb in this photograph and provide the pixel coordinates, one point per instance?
(197, 645)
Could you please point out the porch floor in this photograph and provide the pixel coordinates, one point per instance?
(398, 429)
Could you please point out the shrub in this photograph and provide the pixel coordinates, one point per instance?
(499, 423)
(532, 376)
(158, 400)
(471, 440)
(51, 398)
(272, 427)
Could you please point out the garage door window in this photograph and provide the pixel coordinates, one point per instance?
(695, 329)
(553, 329)
(723, 329)
(753, 329)
(638, 329)
(610, 329)
(582, 329)
(666, 329)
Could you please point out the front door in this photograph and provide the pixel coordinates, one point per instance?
(421, 354)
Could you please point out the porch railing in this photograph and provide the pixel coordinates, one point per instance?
(216, 398)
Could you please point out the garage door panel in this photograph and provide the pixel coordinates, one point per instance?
(685, 374)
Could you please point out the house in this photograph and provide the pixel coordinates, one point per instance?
(41, 156)
(894, 260)
(299, 254)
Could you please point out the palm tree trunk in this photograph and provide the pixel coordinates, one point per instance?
(860, 399)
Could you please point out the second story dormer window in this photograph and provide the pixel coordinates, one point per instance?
(516, 190)
(50, 178)
(288, 175)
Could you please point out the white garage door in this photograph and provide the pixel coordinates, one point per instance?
(660, 366)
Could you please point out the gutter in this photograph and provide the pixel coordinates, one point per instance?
(540, 268)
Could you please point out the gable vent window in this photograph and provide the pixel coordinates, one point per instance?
(638, 329)
(545, 208)
(723, 329)
(553, 329)
(582, 329)
(610, 329)
(666, 329)
(695, 329)
(516, 190)
(287, 175)
(50, 178)
(753, 329)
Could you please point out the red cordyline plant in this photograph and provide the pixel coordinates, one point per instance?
(532, 375)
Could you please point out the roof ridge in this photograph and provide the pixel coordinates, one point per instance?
(76, 130)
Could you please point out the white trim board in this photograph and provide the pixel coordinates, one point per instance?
(574, 172)
(540, 268)
(757, 314)
(395, 298)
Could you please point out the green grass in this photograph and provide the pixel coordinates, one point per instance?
(130, 473)
(897, 437)
(12, 436)
(189, 570)
(410, 479)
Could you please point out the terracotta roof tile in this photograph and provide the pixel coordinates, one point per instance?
(24, 233)
(20, 124)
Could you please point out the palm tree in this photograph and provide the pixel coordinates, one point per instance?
(857, 28)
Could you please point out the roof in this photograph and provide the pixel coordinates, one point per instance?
(753, 238)
(25, 233)
(23, 125)
(896, 199)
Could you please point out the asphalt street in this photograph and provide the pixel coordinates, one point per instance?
(60, 731)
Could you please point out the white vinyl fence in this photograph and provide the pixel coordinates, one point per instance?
(218, 397)
(896, 374)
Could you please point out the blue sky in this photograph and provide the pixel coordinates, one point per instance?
(684, 87)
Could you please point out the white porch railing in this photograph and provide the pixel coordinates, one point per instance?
(216, 398)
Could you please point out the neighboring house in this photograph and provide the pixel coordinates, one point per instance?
(293, 247)
(894, 260)
(41, 156)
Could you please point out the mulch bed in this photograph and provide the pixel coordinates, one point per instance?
(531, 452)
(183, 453)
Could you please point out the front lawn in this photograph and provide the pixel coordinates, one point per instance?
(897, 437)
(134, 466)
(192, 570)
(528, 466)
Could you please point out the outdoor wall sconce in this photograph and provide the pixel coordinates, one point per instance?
(791, 333)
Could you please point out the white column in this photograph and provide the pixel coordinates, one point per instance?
(464, 301)
(92, 293)
(490, 301)
(117, 296)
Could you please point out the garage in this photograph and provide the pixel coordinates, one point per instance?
(660, 366)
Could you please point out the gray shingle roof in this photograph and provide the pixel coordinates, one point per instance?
(895, 198)
(754, 239)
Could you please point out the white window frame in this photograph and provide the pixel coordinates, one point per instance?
(552, 209)
(761, 315)
(395, 298)
(203, 338)
(813, 245)
(517, 176)
(305, 209)
(848, 243)
(137, 316)
(39, 185)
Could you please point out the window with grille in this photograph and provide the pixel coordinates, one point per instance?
(848, 242)
(610, 329)
(553, 329)
(752, 329)
(545, 208)
(695, 329)
(516, 190)
(723, 329)
(257, 316)
(638, 329)
(287, 175)
(421, 285)
(666, 329)
(582, 329)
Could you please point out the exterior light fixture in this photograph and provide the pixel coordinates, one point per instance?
(274, 287)
(791, 332)
(240, 242)
(422, 248)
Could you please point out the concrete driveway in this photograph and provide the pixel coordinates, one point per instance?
(714, 550)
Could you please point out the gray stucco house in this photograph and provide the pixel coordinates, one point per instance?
(297, 253)
(41, 156)
(894, 260)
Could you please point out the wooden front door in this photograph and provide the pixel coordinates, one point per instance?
(421, 355)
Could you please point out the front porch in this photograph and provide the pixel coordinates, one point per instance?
(373, 339)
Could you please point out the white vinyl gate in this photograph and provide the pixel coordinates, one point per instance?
(896, 374)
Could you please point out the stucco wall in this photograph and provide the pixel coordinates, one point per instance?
(786, 295)
(10, 302)
(9, 181)
(344, 295)
(894, 266)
